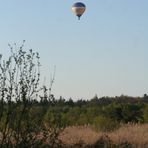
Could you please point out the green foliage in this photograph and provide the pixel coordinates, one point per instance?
(113, 111)
(102, 123)
(124, 112)
(145, 114)
(54, 121)
(132, 113)
(53, 118)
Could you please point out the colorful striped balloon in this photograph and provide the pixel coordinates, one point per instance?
(78, 8)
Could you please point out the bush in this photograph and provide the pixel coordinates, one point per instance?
(105, 124)
(145, 115)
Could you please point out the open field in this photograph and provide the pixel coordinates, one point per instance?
(127, 136)
(135, 136)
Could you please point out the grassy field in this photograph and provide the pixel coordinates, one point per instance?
(129, 135)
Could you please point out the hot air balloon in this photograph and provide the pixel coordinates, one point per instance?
(78, 8)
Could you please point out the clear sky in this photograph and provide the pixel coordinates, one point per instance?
(105, 53)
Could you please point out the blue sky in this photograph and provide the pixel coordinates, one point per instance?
(104, 53)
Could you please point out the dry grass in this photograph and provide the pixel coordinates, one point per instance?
(129, 135)
(133, 134)
(79, 134)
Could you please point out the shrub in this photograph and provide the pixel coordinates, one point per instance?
(145, 115)
(102, 123)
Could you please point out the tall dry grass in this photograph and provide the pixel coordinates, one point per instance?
(133, 135)
(79, 134)
(127, 136)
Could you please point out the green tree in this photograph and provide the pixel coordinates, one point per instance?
(145, 114)
(102, 123)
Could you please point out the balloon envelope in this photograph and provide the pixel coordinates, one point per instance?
(78, 8)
